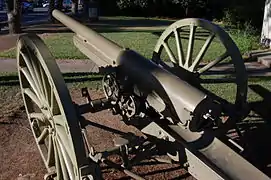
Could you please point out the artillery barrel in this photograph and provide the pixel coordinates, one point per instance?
(162, 87)
(144, 73)
(98, 48)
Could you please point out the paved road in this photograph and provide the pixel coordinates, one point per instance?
(27, 17)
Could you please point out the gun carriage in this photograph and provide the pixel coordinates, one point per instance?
(163, 99)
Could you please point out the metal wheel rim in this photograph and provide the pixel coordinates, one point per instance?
(231, 51)
(42, 85)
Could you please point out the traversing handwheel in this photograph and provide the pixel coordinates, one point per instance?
(202, 53)
(50, 110)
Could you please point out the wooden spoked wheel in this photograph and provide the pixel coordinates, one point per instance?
(205, 55)
(50, 110)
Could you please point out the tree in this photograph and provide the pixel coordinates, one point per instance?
(14, 15)
(59, 4)
(74, 7)
(245, 11)
(190, 6)
(85, 8)
(50, 10)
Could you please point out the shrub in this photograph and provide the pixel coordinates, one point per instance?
(239, 12)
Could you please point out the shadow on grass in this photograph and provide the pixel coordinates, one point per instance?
(226, 70)
(13, 80)
(99, 29)
(263, 107)
(257, 132)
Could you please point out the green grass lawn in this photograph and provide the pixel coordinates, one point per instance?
(61, 44)
(225, 90)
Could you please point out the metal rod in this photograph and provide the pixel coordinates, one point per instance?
(167, 161)
(95, 106)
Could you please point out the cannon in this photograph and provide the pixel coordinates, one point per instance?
(163, 97)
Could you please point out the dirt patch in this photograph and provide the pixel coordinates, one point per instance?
(18, 151)
(20, 158)
(8, 42)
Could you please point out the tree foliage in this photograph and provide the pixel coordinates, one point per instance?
(235, 12)
(245, 11)
(123, 4)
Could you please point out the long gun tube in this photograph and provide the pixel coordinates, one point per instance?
(176, 94)
(98, 48)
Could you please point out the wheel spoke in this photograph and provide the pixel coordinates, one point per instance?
(59, 120)
(57, 163)
(43, 135)
(52, 97)
(33, 97)
(66, 158)
(30, 67)
(213, 63)
(62, 163)
(62, 134)
(53, 104)
(49, 160)
(169, 52)
(30, 81)
(218, 80)
(190, 47)
(179, 48)
(202, 52)
(37, 72)
(45, 83)
(34, 66)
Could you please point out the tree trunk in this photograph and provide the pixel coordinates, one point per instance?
(14, 16)
(59, 4)
(50, 10)
(74, 7)
(17, 16)
(187, 11)
(85, 8)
